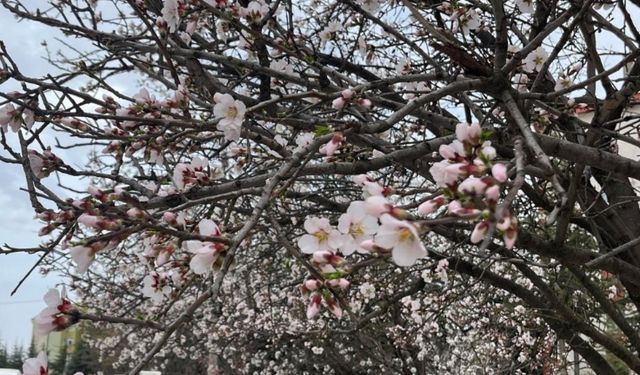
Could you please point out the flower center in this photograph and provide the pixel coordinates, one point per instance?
(405, 234)
(232, 112)
(321, 235)
(356, 230)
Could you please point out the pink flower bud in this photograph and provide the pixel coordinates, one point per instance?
(81, 204)
(333, 305)
(332, 146)
(474, 132)
(94, 191)
(338, 103)
(499, 172)
(311, 284)
(89, 220)
(162, 258)
(314, 305)
(431, 205)
(46, 230)
(473, 186)
(447, 152)
(170, 217)
(47, 215)
(347, 94)
(455, 207)
(479, 232)
(321, 257)
(341, 283)
(504, 223)
(365, 103)
(135, 213)
(509, 238)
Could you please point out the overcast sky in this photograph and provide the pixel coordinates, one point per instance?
(24, 40)
(17, 226)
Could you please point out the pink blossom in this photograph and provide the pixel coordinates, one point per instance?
(90, 221)
(169, 217)
(97, 193)
(83, 257)
(205, 253)
(135, 213)
(535, 60)
(171, 14)
(42, 164)
(56, 316)
(509, 238)
(357, 226)
(143, 97)
(456, 208)
(186, 176)
(254, 11)
(377, 205)
(320, 236)
(231, 113)
(402, 237)
(327, 257)
(445, 174)
(9, 117)
(332, 146)
(36, 366)
(469, 133)
(431, 205)
(368, 245)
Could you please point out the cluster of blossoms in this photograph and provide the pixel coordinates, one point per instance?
(199, 256)
(126, 126)
(373, 225)
(174, 10)
(59, 314)
(471, 184)
(330, 31)
(464, 20)
(195, 173)
(347, 96)
(319, 291)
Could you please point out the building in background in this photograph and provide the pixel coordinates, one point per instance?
(57, 342)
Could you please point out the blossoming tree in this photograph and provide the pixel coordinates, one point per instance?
(350, 186)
